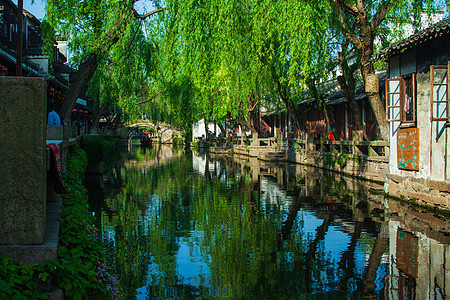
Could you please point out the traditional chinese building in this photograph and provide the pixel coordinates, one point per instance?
(417, 103)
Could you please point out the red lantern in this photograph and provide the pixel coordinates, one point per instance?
(85, 113)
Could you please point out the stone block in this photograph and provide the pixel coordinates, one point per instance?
(23, 160)
(55, 132)
(310, 147)
(372, 84)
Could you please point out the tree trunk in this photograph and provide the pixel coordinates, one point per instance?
(329, 118)
(377, 107)
(250, 109)
(368, 283)
(367, 69)
(362, 40)
(348, 89)
(90, 62)
(206, 129)
(222, 129)
(85, 71)
(291, 107)
(98, 113)
(245, 124)
(296, 116)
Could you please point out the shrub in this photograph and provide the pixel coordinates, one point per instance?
(82, 270)
(342, 160)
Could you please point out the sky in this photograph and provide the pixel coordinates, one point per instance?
(38, 7)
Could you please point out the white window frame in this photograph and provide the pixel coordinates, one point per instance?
(438, 102)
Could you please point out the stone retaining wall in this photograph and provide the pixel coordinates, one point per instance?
(424, 191)
(23, 110)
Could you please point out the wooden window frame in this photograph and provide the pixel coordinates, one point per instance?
(433, 84)
(404, 121)
(388, 98)
(402, 95)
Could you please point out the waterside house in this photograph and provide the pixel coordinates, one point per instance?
(418, 113)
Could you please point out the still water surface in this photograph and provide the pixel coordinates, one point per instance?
(184, 225)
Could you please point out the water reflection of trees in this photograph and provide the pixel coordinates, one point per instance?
(252, 245)
(135, 241)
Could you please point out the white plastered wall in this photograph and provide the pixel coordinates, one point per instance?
(433, 136)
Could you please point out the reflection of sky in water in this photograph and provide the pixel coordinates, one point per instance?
(336, 242)
(192, 264)
(191, 269)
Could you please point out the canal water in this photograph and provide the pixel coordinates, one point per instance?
(190, 225)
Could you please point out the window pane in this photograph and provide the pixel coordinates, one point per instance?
(439, 93)
(394, 86)
(440, 110)
(394, 113)
(394, 100)
(440, 76)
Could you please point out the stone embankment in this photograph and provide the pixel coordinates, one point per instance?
(365, 160)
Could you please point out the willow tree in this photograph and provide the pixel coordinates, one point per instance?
(201, 59)
(360, 21)
(122, 80)
(236, 53)
(294, 47)
(92, 29)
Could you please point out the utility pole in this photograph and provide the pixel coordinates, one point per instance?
(19, 38)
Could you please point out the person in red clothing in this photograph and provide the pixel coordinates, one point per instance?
(331, 136)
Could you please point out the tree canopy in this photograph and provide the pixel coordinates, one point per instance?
(217, 60)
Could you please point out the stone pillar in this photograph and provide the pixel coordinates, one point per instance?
(255, 141)
(23, 111)
(279, 141)
(358, 136)
(310, 143)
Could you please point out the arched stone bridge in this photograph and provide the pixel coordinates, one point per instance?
(163, 131)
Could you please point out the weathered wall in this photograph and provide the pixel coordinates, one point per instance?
(423, 118)
(433, 136)
(434, 169)
(23, 114)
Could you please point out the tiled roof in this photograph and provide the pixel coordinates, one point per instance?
(440, 28)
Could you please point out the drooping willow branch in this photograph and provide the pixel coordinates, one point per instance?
(145, 16)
